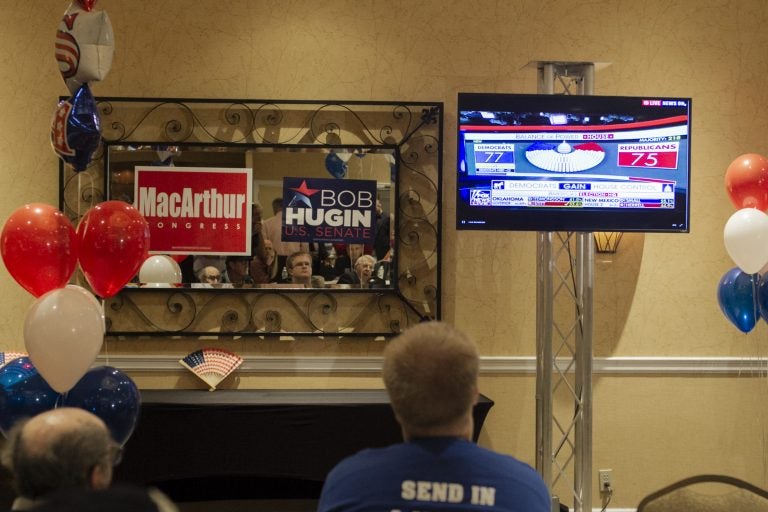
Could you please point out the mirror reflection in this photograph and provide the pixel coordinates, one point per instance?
(322, 257)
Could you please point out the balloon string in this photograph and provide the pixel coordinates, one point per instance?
(106, 339)
(78, 204)
(79, 191)
(756, 297)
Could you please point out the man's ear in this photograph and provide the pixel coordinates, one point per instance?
(101, 477)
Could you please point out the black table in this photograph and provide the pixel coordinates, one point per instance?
(255, 444)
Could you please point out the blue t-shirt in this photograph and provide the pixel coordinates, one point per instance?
(433, 474)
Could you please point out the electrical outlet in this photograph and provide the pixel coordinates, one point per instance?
(605, 480)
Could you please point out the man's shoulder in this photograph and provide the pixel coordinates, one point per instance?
(429, 470)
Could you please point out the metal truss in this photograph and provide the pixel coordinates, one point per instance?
(565, 263)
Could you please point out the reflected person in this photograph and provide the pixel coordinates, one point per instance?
(362, 276)
(236, 272)
(346, 261)
(299, 266)
(273, 230)
(262, 267)
(209, 276)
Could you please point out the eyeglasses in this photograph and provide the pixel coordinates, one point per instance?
(215, 277)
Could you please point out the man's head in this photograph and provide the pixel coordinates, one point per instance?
(354, 251)
(269, 251)
(299, 266)
(237, 268)
(209, 275)
(430, 372)
(364, 267)
(60, 449)
(256, 213)
(277, 205)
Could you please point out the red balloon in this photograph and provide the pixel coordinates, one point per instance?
(178, 258)
(113, 239)
(39, 248)
(746, 181)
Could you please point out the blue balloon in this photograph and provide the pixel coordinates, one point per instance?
(737, 296)
(76, 129)
(112, 396)
(762, 297)
(335, 165)
(23, 393)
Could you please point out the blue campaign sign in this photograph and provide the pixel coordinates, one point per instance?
(329, 210)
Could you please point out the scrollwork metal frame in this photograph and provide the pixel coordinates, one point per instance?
(412, 129)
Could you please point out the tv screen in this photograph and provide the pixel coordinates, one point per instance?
(532, 162)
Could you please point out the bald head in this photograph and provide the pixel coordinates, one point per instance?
(58, 449)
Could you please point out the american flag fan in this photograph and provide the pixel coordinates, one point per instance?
(212, 365)
(7, 357)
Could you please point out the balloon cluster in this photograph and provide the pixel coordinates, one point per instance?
(743, 291)
(104, 391)
(84, 49)
(64, 327)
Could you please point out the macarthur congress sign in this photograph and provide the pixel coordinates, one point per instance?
(196, 210)
(328, 210)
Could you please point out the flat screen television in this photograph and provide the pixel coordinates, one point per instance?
(529, 162)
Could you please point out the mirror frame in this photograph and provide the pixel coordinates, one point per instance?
(413, 129)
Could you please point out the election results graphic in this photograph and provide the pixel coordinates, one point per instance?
(329, 210)
(196, 210)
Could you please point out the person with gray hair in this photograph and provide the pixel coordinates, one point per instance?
(431, 373)
(362, 275)
(59, 449)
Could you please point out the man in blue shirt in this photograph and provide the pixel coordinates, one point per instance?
(430, 372)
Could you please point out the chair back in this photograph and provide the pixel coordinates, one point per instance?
(707, 493)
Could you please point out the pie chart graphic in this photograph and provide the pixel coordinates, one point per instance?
(564, 157)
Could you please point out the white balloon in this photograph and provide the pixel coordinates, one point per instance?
(63, 334)
(746, 239)
(160, 269)
(93, 300)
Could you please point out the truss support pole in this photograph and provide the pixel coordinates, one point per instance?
(565, 276)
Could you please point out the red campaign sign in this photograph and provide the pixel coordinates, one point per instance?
(649, 155)
(196, 210)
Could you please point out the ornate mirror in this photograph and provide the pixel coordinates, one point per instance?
(392, 147)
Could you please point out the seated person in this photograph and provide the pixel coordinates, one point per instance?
(299, 266)
(263, 268)
(362, 277)
(345, 262)
(64, 448)
(236, 272)
(327, 266)
(202, 261)
(209, 277)
(431, 375)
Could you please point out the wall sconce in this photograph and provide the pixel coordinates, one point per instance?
(607, 242)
